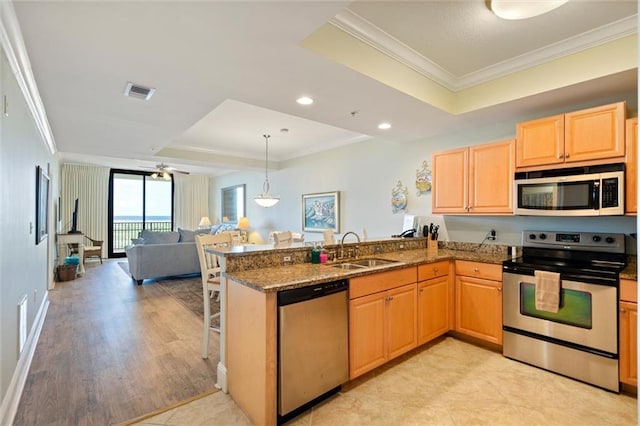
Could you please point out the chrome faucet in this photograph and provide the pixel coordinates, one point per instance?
(342, 243)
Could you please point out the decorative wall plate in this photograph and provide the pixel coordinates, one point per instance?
(399, 198)
(423, 178)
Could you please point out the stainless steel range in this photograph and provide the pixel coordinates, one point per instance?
(578, 337)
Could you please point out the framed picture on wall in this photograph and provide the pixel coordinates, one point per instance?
(321, 211)
(232, 203)
(42, 197)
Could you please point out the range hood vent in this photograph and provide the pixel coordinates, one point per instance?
(136, 91)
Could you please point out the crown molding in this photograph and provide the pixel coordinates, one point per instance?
(365, 31)
(16, 52)
(368, 33)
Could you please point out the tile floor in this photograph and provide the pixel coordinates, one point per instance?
(449, 382)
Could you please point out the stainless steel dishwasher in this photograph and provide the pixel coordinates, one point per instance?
(313, 345)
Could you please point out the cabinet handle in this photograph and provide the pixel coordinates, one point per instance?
(566, 156)
(390, 298)
(499, 289)
(623, 310)
(560, 156)
(422, 290)
(435, 270)
(476, 270)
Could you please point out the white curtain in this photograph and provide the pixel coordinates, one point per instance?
(191, 200)
(90, 185)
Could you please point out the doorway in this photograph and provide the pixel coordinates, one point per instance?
(137, 201)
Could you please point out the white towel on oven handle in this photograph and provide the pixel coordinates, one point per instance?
(547, 291)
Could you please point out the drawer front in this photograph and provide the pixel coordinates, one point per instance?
(629, 290)
(374, 283)
(433, 270)
(487, 271)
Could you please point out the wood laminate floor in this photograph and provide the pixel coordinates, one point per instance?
(111, 350)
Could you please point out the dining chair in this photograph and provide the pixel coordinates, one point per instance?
(210, 270)
(282, 238)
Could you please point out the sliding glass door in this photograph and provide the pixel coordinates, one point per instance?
(137, 201)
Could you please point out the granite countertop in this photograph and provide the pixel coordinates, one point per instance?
(631, 271)
(303, 274)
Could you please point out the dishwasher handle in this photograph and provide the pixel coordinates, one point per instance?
(296, 295)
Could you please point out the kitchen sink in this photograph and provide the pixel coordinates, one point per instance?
(348, 266)
(370, 263)
(364, 263)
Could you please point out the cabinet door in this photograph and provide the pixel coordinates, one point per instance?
(491, 168)
(433, 309)
(595, 133)
(402, 311)
(450, 182)
(631, 160)
(367, 347)
(479, 308)
(629, 343)
(540, 142)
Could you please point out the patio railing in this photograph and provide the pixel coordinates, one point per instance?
(123, 232)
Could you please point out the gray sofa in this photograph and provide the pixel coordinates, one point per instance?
(167, 254)
(163, 254)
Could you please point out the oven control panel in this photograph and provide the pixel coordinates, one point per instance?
(591, 241)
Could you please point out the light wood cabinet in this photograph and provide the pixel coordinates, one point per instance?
(382, 318)
(631, 163)
(433, 308)
(367, 346)
(478, 295)
(434, 301)
(402, 310)
(594, 134)
(540, 141)
(629, 332)
(475, 179)
(450, 183)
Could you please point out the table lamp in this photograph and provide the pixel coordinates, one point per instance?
(204, 222)
(243, 225)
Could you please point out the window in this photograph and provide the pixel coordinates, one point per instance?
(233, 202)
(137, 202)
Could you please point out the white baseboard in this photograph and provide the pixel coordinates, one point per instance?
(11, 399)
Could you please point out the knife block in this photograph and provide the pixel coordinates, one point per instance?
(432, 247)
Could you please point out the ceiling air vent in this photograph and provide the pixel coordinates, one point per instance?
(136, 91)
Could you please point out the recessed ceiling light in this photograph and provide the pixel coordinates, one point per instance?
(304, 100)
(384, 126)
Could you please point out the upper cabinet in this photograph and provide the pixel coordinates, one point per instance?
(475, 179)
(594, 134)
(631, 161)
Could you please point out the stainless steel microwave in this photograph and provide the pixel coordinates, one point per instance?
(576, 191)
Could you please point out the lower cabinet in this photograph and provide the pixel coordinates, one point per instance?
(434, 301)
(629, 332)
(479, 300)
(382, 324)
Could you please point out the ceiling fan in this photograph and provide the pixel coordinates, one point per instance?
(164, 171)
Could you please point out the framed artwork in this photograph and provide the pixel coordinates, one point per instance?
(233, 203)
(42, 197)
(321, 212)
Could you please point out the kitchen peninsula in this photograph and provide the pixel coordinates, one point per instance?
(254, 275)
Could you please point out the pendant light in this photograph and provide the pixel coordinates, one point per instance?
(264, 199)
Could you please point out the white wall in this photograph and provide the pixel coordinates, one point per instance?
(26, 268)
(365, 174)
